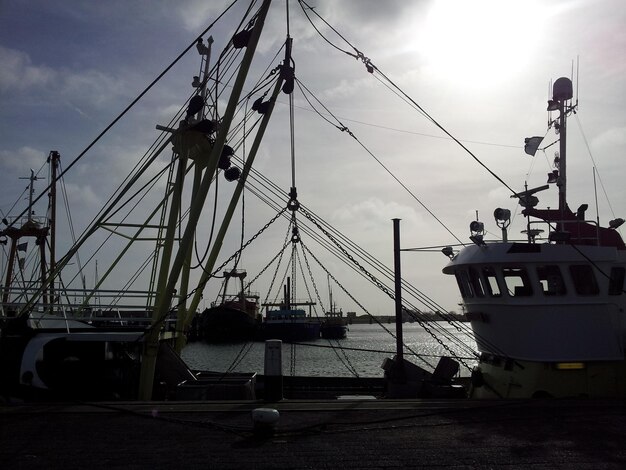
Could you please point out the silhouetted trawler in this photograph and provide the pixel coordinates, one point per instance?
(548, 314)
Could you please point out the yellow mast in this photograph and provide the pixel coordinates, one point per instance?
(166, 289)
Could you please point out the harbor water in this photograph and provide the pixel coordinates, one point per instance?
(363, 351)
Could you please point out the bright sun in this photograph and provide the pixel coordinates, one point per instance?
(482, 41)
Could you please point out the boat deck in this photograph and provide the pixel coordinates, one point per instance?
(345, 433)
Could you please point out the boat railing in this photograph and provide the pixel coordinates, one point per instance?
(23, 220)
(583, 231)
(102, 308)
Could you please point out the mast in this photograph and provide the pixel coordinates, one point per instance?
(30, 228)
(562, 92)
(167, 288)
(53, 160)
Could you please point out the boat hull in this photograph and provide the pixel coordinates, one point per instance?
(500, 378)
(227, 324)
(333, 331)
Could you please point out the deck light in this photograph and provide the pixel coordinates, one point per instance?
(502, 215)
(476, 226)
(615, 223)
(232, 174)
(448, 252)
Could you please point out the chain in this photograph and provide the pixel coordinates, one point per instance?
(223, 265)
(380, 286)
(292, 364)
(280, 260)
(436, 338)
(365, 310)
(348, 255)
(347, 363)
(280, 253)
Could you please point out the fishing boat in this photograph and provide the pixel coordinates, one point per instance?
(127, 341)
(232, 317)
(334, 324)
(66, 346)
(56, 342)
(288, 322)
(548, 312)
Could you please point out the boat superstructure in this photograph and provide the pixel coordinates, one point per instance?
(233, 317)
(288, 322)
(548, 313)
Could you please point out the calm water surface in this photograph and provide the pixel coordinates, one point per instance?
(335, 361)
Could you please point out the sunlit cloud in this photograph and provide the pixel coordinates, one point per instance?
(22, 158)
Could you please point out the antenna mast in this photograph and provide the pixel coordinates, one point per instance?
(562, 93)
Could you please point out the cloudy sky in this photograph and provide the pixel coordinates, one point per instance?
(481, 68)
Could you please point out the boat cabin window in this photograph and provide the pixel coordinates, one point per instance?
(464, 286)
(517, 282)
(584, 280)
(476, 283)
(491, 282)
(551, 280)
(616, 283)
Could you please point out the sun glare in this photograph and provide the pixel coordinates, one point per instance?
(481, 41)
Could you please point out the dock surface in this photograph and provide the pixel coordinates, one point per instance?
(330, 434)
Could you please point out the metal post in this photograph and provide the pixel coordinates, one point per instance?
(562, 158)
(398, 290)
(54, 163)
(273, 370)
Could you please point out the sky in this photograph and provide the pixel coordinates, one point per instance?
(481, 68)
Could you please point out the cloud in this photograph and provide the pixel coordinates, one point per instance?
(373, 213)
(613, 137)
(82, 195)
(24, 157)
(18, 72)
(19, 76)
(199, 13)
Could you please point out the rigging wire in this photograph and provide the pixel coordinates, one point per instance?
(580, 127)
(373, 68)
(389, 276)
(351, 134)
(133, 103)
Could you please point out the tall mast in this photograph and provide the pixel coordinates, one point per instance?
(31, 191)
(167, 288)
(53, 160)
(562, 92)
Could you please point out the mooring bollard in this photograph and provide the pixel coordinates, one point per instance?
(273, 370)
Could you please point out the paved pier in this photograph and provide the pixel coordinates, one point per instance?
(334, 434)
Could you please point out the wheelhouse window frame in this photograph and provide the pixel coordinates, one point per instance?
(523, 288)
(616, 281)
(584, 279)
(551, 280)
(492, 285)
(462, 281)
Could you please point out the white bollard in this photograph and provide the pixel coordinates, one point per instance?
(273, 370)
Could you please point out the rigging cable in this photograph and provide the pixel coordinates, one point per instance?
(346, 129)
(594, 164)
(133, 103)
(372, 68)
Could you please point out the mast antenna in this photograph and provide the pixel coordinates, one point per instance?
(31, 191)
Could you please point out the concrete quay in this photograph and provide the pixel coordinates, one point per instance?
(354, 432)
